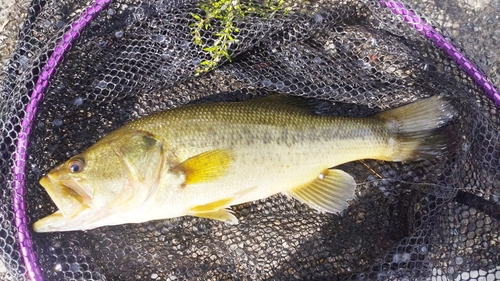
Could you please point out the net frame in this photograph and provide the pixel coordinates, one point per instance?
(19, 169)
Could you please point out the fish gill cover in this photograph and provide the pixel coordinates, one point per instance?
(99, 67)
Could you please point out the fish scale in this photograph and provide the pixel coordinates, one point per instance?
(199, 160)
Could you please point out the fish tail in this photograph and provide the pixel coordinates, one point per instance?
(416, 131)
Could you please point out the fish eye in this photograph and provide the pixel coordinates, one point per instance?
(76, 165)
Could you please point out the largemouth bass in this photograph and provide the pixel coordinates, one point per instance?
(198, 160)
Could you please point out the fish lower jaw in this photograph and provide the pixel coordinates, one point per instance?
(89, 219)
(49, 223)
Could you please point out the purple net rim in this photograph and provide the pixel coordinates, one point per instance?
(28, 256)
(428, 31)
(19, 206)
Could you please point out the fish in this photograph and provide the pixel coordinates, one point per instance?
(198, 160)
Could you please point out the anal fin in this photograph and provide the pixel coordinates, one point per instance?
(329, 192)
(215, 211)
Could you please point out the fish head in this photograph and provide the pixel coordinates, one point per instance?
(100, 185)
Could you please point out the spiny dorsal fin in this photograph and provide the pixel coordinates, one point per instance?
(329, 192)
(296, 103)
(205, 167)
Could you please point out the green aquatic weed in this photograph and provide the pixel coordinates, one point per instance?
(219, 16)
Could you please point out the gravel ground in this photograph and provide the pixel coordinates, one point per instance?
(475, 25)
(12, 14)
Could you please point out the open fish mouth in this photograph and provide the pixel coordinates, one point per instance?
(71, 205)
(68, 197)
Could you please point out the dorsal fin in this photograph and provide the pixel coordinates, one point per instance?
(296, 103)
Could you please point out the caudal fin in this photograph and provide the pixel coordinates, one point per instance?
(415, 129)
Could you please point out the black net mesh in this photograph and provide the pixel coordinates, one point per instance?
(434, 219)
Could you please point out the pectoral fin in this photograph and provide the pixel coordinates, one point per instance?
(329, 192)
(205, 167)
(215, 211)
